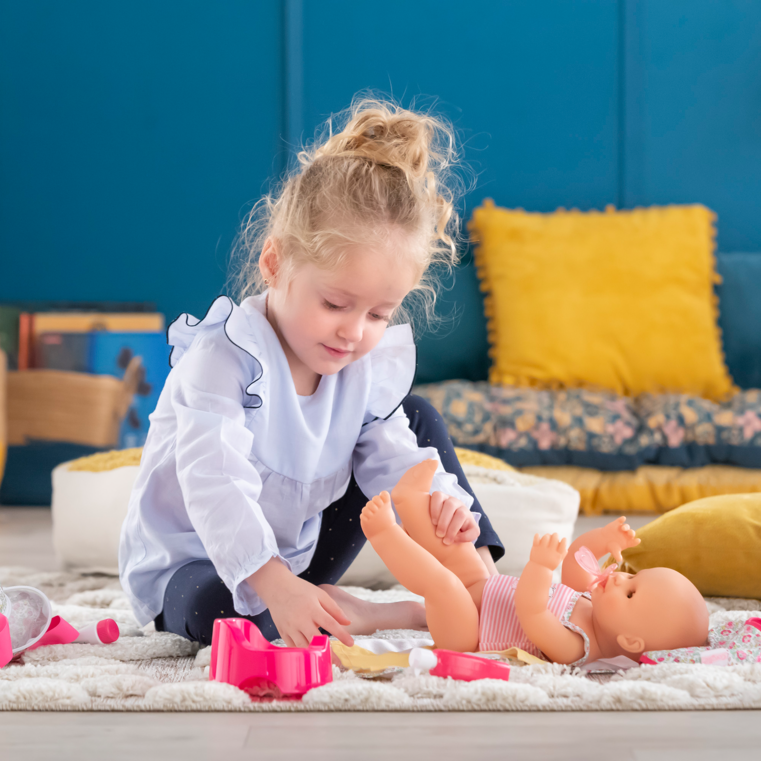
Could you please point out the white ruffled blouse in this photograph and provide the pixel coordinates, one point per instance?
(237, 467)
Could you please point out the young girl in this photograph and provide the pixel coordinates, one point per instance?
(283, 415)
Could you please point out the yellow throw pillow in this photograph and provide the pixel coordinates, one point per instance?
(620, 300)
(650, 488)
(715, 542)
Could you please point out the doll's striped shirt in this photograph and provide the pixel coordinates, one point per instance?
(499, 628)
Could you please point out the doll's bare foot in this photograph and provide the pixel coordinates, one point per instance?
(368, 617)
(451, 613)
(377, 516)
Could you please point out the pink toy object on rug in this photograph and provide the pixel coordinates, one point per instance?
(6, 650)
(27, 622)
(461, 666)
(61, 632)
(241, 656)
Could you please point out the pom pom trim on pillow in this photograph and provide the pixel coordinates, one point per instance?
(528, 354)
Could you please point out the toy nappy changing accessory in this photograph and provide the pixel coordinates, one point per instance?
(27, 622)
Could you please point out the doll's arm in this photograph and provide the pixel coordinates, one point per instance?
(613, 538)
(542, 627)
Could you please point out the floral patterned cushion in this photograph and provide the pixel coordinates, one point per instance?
(732, 643)
(526, 426)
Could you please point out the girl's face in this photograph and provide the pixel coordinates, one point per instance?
(327, 319)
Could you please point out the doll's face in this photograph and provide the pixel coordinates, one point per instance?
(655, 609)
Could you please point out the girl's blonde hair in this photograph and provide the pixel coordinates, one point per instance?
(372, 168)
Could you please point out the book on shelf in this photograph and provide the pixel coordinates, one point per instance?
(33, 325)
(23, 358)
(9, 333)
(63, 351)
(10, 312)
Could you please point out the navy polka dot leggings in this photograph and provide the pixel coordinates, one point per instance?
(195, 595)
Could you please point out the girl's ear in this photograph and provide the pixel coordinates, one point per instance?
(269, 260)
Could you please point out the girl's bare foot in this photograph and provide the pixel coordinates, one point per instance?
(367, 617)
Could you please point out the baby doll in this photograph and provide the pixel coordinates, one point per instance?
(581, 619)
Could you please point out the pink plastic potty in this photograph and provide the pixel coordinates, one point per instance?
(241, 656)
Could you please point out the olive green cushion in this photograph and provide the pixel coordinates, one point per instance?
(715, 542)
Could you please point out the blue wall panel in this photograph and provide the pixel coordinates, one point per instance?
(693, 110)
(132, 134)
(532, 84)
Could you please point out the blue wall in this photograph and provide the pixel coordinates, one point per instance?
(133, 134)
(692, 127)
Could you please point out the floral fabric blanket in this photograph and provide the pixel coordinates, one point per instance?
(733, 642)
(597, 429)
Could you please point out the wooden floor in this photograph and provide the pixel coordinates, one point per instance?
(730, 736)
(25, 539)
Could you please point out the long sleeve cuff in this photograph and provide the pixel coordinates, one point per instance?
(447, 483)
(245, 600)
(488, 536)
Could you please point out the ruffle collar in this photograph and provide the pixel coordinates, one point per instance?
(391, 365)
(223, 311)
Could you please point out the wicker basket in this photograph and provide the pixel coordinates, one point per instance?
(54, 405)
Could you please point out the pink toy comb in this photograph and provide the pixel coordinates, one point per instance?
(586, 559)
(468, 668)
(241, 656)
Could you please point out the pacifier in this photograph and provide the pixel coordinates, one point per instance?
(28, 613)
(586, 559)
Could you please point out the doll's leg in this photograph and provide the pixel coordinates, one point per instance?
(339, 542)
(451, 613)
(430, 430)
(412, 501)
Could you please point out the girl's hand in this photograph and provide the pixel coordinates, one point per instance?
(548, 551)
(619, 536)
(298, 609)
(453, 521)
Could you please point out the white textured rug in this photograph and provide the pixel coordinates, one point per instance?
(163, 672)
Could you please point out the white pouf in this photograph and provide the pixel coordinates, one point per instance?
(89, 509)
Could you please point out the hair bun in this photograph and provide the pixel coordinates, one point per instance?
(387, 135)
(374, 169)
